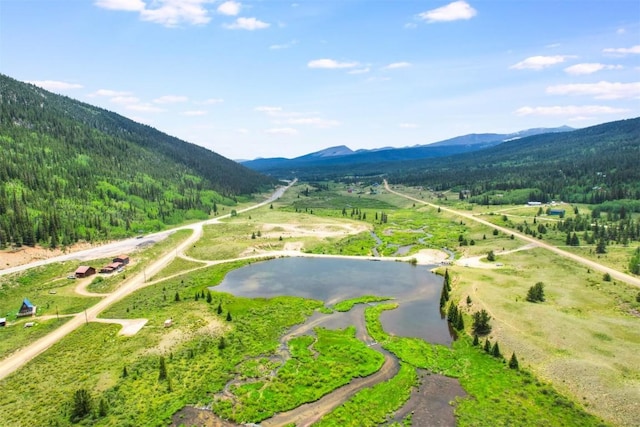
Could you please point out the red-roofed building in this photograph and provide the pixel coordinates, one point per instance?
(85, 271)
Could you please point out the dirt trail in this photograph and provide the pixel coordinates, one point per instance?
(635, 281)
(26, 354)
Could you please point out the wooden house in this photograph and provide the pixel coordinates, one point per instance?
(111, 267)
(85, 271)
(27, 309)
(124, 259)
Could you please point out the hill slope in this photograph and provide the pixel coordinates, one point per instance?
(71, 171)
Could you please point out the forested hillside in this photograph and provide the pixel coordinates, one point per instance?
(591, 165)
(72, 171)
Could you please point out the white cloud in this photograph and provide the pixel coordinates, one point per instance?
(212, 101)
(359, 71)
(249, 24)
(568, 110)
(194, 113)
(284, 45)
(169, 13)
(230, 8)
(124, 100)
(452, 12)
(590, 68)
(242, 131)
(600, 90)
(330, 64)
(55, 85)
(268, 109)
(409, 125)
(128, 5)
(170, 99)
(623, 50)
(539, 62)
(145, 108)
(314, 121)
(281, 131)
(621, 31)
(110, 93)
(410, 25)
(396, 65)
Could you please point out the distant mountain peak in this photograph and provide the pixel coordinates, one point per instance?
(339, 150)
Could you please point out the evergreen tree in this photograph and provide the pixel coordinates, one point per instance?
(481, 324)
(162, 370)
(228, 316)
(491, 256)
(219, 311)
(82, 405)
(476, 340)
(102, 408)
(124, 372)
(513, 362)
(209, 297)
(495, 350)
(176, 297)
(487, 346)
(536, 293)
(222, 344)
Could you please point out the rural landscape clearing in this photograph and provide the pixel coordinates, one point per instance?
(273, 230)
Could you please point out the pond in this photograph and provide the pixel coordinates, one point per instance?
(414, 288)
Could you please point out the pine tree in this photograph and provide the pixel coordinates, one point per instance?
(476, 340)
(228, 316)
(162, 370)
(220, 308)
(487, 346)
(102, 408)
(176, 297)
(82, 405)
(222, 344)
(209, 297)
(513, 362)
(124, 372)
(495, 350)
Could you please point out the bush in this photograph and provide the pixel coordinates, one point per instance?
(536, 293)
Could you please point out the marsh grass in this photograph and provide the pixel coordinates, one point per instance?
(372, 406)
(497, 395)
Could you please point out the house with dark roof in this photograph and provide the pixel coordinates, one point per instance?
(27, 309)
(84, 271)
(124, 259)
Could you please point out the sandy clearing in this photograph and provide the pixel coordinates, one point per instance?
(130, 327)
(321, 230)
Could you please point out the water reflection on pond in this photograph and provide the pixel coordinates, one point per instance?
(331, 280)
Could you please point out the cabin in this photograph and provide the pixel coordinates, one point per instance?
(123, 259)
(85, 271)
(111, 267)
(27, 309)
(534, 203)
(3, 321)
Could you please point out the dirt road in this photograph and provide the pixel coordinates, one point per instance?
(23, 356)
(591, 264)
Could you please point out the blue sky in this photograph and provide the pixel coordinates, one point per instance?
(285, 78)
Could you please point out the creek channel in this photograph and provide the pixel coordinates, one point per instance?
(414, 288)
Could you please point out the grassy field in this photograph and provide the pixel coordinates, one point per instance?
(581, 342)
(584, 323)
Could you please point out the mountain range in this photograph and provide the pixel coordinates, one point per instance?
(343, 155)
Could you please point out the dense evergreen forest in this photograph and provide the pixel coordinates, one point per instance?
(593, 165)
(70, 171)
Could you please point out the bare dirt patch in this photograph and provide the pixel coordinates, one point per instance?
(130, 327)
(25, 255)
(321, 230)
(431, 403)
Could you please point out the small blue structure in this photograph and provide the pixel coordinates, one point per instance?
(27, 309)
(556, 212)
